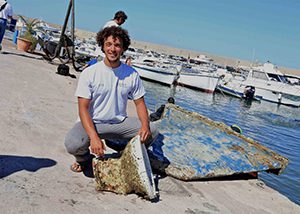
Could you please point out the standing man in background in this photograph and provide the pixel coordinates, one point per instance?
(6, 12)
(119, 19)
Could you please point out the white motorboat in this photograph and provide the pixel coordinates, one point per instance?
(204, 78)
(151, 68)
(201, 77)
(200, 81)
(292, 79)
(133, 53)
(202, 59)
(200, 73)
(269, 84)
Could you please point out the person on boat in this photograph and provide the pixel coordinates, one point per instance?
(119, 19)
(103, 91)
(128, 61)
(6, 12)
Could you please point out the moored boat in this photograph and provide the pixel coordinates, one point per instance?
(269, 84)
(203, 82)
(205, 79)
(154, 70)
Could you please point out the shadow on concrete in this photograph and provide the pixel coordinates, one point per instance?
(242, 176)
(23, 55)
(10, 164)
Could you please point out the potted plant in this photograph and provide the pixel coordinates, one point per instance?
(26, 41)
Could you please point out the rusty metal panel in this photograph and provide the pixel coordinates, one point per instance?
(197, 147)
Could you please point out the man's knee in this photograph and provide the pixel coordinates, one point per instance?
(76, 145)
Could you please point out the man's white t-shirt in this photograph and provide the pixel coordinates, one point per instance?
(110, 24)
(109, 90)
(7, 11)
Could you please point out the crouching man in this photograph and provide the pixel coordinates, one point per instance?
(103, 91)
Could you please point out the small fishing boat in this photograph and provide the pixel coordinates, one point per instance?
(204, 78)
(199, 73)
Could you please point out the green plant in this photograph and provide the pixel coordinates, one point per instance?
(30, 31)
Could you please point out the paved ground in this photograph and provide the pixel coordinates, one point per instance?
(37, 108)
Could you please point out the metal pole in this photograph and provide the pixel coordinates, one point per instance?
(57, 50)
(75, 65)
(73, 28)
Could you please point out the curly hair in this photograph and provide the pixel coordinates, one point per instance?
(115, 32)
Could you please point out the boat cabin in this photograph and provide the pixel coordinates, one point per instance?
(267, 72)
(200, 60)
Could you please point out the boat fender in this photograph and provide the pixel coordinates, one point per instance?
(171, 100)
(236, 128)
(279, 97)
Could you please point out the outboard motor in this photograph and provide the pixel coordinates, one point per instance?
(249, 93)
(171, 100)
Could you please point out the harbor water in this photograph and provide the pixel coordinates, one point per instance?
(274, 126)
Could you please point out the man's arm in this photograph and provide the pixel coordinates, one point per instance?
(10, 14)
(142, 112)
(97, 146)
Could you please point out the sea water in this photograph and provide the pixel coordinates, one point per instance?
(274, 126)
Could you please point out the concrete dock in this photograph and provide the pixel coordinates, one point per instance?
(38, 107)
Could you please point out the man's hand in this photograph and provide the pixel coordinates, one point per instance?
(97, 146)
(145, 134)
(142, 112)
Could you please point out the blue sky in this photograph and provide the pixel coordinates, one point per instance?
(252, 30)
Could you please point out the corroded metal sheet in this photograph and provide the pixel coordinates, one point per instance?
(197, 147)
(130, 173)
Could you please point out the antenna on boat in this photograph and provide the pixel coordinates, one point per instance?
(175, 82)
(253, 56)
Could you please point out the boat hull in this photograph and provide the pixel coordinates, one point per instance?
(269, 91)
(203, 82)
(155, 75)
